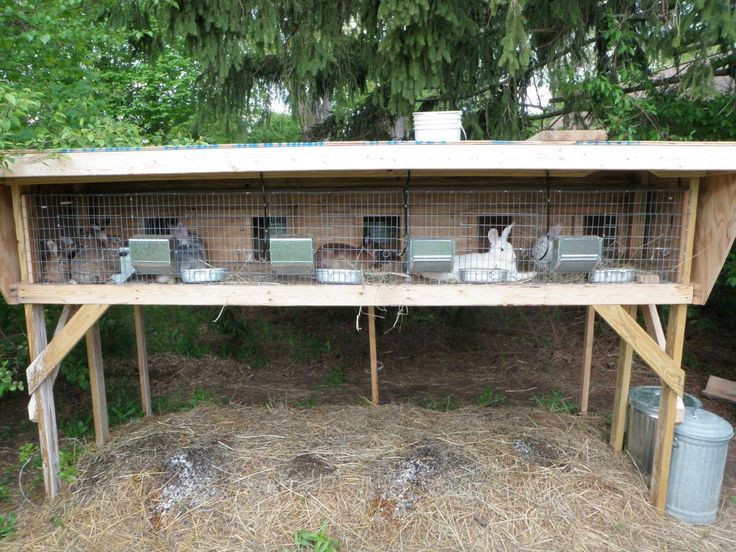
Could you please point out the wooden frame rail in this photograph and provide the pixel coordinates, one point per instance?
(429, 295)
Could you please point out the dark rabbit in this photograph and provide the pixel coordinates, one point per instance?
(189, 249)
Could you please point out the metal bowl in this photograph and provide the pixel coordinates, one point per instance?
(202, 275)
(338, 276)
(611, 275)
(483, 276)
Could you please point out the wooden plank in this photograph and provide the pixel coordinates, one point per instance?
(53, 353)
(720, 388)
(653, 324)
(715, 232)
(142, 356)
(341, 295)
(588, 135)
(66, 312)
(626, 327)
(45, 408)
(621, 395)
(220, 161)
(10, 267)
(587, 359)
(688, 230)
(663, 448)
(667, 411)
(373, 353)
(97, 384)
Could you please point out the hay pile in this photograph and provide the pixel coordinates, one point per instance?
(388, 478)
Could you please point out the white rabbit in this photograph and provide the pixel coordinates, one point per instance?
(500, 256)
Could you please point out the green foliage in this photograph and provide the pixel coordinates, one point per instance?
(7, 525)
(309, 401)
(335, 377)
(442, 402)
(179, 401)
(491, 397)
(729, 270)
(318, 541)
(555, 402)
(68, 459)
(8, 381)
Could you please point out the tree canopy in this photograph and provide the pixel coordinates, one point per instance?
(364, 63)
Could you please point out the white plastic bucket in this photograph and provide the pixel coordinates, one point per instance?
(437, 126)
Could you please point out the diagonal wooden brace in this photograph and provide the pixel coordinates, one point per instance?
(643, 344)
(63, 342)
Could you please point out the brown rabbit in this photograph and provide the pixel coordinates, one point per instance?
(56, 264)
(344, 256)
(96, 258)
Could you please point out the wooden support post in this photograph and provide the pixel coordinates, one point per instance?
(44, 363)
(142, 355)
(653, 324)
(97, 385)
(667, 411)
(587, 359)
(43, 394)
(674, 348)
(48, 436)
(373, 353)
(621, 396)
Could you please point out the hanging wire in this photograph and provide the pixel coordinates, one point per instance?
(405, 195)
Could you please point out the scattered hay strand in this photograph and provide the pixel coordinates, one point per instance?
(388, 478)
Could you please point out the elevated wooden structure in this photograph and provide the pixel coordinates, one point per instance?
(704, 174)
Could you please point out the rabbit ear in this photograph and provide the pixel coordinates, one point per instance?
(52, 247)
(506, 232)
(493, 236)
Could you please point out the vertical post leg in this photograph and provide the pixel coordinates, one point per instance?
(621, 397)
(97, 385)
(373, 353)
(587, 359)
(142, 355)
(667, 411)
(45, 408)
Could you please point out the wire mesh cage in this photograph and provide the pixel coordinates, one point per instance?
(484, 233)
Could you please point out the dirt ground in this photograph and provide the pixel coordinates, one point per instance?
(436, 370)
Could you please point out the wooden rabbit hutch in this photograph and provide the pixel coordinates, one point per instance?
(613, 226)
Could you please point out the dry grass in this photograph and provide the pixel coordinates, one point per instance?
(388, 478)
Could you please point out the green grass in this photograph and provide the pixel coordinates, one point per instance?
(7, 525)
(318, 541)
(335, 377)
(555, 401)
(179, 401)
(442, 402)
(491, 397)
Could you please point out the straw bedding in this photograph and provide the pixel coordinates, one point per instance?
(387, 478)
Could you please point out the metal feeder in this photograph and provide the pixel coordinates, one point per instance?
(572, 254)
(431, 255)
(153, 254)
(291, 256)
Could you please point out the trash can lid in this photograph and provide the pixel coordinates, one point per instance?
(704, 425)
(646, 399)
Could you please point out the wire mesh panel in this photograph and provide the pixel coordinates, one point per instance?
(486, 234)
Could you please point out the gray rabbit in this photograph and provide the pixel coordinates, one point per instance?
(189, 249)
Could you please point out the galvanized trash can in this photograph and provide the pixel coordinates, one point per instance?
(641, 426)
(698, 462)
